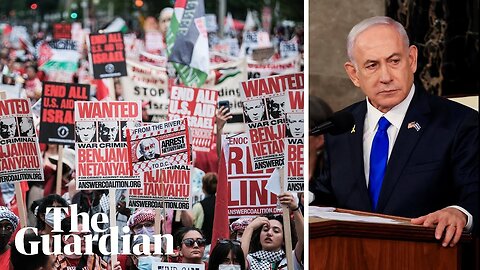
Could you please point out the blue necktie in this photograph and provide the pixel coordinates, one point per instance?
(378, 161)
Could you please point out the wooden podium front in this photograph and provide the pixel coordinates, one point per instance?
(348, 245)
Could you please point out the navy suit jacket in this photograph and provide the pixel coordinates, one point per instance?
(428, 169)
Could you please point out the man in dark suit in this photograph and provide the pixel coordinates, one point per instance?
(410, 153)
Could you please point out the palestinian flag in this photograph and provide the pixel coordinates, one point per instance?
(187, 42)
(117, 25)
(57, 55)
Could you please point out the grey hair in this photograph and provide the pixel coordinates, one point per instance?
(368, 23)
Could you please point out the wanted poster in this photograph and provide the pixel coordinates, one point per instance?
(107, 55)
(294, 141)
(264, 106)
(57, 120)
(165, 188)
(20, 158)
(199, 107)
(248, 196)
(158, 146)
(101, 144)
(146, 82)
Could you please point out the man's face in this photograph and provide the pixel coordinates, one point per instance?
(108, 131)
(277, 107)
(148, 149)
(85, 130)
(254, 109)
(384, 66)
(26, 124)
(8, 127)
(295, 125)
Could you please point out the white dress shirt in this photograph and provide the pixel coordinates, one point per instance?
(395, 116)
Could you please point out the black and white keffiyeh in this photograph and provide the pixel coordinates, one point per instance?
(266, 260)
(6, 214)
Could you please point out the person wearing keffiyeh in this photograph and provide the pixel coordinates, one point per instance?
(264, 241)
(8, 224)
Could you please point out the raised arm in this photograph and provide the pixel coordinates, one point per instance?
(289, 200)
(223, 115)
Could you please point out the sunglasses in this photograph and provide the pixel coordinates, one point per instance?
(228, 241)
(189, 242)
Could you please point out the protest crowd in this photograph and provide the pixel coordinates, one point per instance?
(138, 128)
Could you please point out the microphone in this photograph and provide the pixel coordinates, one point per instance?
(338, 123)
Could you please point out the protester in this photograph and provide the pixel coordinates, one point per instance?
(33, 85)
(8, 224)
(79, 261)
(142, 221)
(68, 168)
(100, 204)
(263, 240)
(191, 244)
(204, 211)
(141, 262)
(164, 22)
(145, 116)
(36, 261)
(226, 252)
(45, 220)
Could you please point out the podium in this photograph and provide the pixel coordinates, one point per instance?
(351, 245)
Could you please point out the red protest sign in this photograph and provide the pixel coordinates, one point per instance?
(62, 31)
(169, 188)
(159, 146)
(107, 55)
(101, 144)
(198, 106)
(294, 141)
(246, 185)
(57, 119)
(19, 149)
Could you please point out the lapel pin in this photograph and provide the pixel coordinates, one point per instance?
(353, 130)
(414, 125)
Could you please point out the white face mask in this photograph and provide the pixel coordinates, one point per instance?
(145, 230)
(146, 262)
(229, 267)
(50, 220)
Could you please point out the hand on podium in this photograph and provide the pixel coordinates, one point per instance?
(449, 222)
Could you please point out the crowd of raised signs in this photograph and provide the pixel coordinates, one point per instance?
(28, 60)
